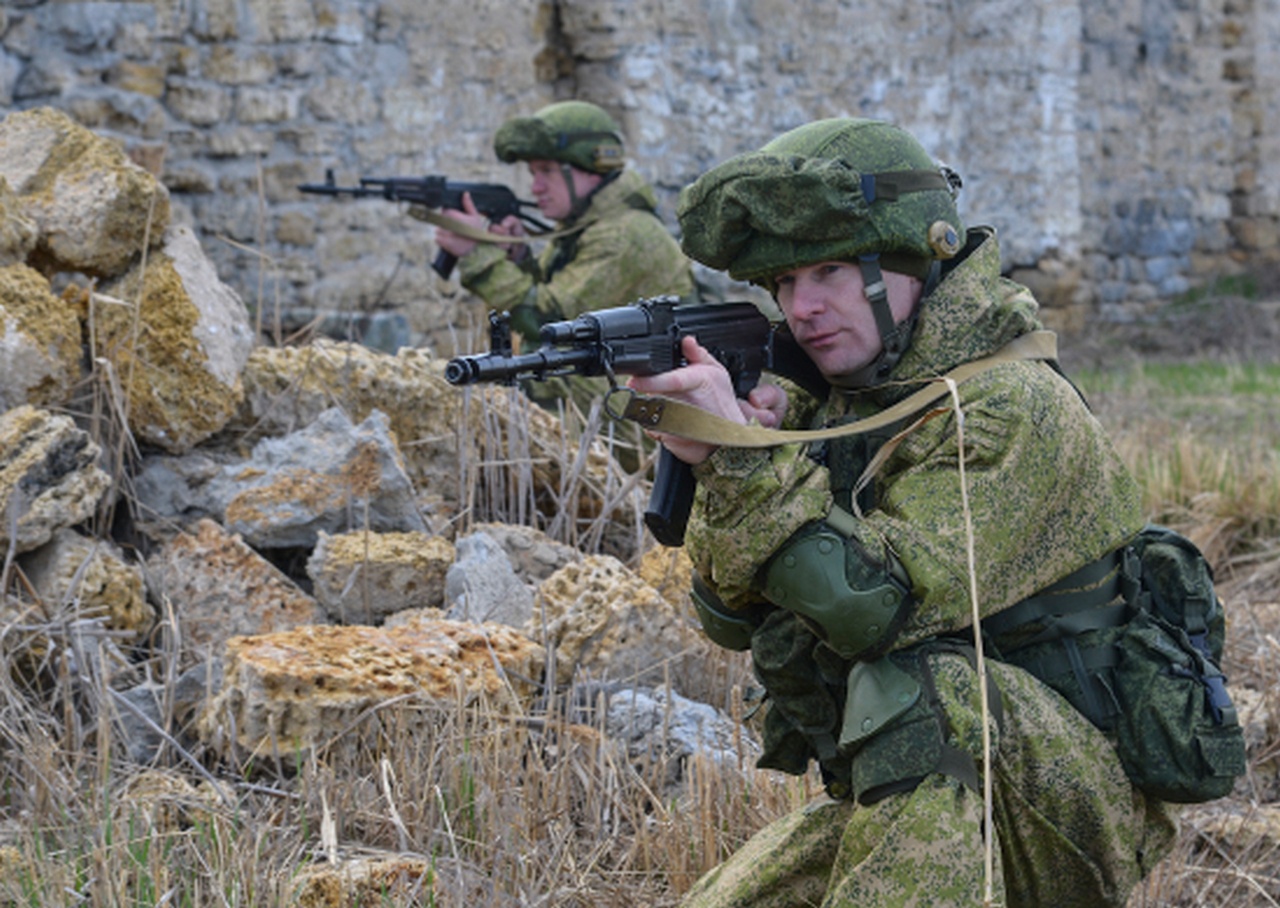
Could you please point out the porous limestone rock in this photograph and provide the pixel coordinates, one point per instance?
(484, 450)
(481, 585)
(365, 881)
(93, 574)
(607, 623)
(17, 230)
(216, 587)
(362, 577)
(669, 571)
(49, 476)
(332, 476)
(39, 340)
(177, 339)
(534, 555)
(286, 692)
(94, 209)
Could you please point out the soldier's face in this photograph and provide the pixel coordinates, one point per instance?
(552, 193)
(830, 316)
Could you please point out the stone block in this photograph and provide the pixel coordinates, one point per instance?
(49, 476)
(182, 374)
(39, 341)
(92, 573)
(605, 622)
(217, 587)
(287, 692)
(364, 577)
(94, 209)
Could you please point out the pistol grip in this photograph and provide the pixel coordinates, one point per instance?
(444, 262)
(671, 499)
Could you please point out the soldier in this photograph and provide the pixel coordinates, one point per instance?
(612, 248)
(845, 565)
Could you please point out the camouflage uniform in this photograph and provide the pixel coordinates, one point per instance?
(1048, 495)
(621, 251)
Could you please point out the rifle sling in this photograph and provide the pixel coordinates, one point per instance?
(673, 417)
(453, 225)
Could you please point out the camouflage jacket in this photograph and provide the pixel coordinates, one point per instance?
(1046, 489)
(620, 251)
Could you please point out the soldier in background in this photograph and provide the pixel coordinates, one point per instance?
(611, 247)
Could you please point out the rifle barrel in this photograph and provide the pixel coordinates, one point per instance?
(546, 361)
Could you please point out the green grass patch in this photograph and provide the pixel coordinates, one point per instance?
(1242, 285)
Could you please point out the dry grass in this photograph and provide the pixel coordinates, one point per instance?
(527, 810)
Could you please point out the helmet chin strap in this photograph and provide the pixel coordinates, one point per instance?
(577, 205)
(895, 337)
(567, 173)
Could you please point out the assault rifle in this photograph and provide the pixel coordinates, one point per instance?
(493, 200)
(643, 338)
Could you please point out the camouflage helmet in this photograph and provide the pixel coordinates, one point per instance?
(572, 132)
(832, 190)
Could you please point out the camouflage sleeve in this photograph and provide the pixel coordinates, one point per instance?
(489, 274)
(617, 261)
(749, 502)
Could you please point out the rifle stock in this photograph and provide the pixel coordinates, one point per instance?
(644, 338)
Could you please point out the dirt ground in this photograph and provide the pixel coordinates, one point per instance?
(1229, 328)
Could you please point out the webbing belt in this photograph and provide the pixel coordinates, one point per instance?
(1085, 590)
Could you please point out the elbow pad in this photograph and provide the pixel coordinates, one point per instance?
(856, 605)
(726, 627)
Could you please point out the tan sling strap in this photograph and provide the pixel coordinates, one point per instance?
(453, 225)
(673, 417)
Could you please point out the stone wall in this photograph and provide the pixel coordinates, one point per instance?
(1127, 150)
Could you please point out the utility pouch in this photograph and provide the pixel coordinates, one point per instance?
(1177, 732)
(1139, 656)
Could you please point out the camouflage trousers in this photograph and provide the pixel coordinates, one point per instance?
(1069, 828)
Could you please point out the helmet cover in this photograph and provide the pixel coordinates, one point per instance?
(832, 190)
(572, 132)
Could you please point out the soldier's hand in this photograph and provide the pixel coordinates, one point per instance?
(511, 226)
(766, 404)
(453, 243)
(704, 383)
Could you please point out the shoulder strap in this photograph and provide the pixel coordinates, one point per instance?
(675, 417)
(453, 225)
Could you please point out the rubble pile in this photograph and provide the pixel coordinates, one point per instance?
(307, 531)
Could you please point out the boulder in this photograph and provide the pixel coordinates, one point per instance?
(94, 209)
(481, 585)
(396, 879)
(363, 577)
(287, 692)
(39, 340)
(93, 574)
(605, 622)
(216, 587)
(487, 452)
(49, 476)
(17, 230)
(177, 339)
(328, 477)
